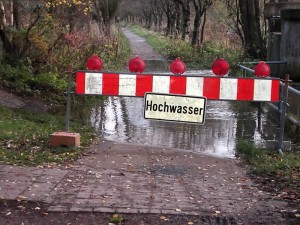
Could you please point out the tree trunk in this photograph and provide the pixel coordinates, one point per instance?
(185, 20)
(11, 12)
(7, 46)
(200, 7)
(16, 15)
(178, 21)
(250, 21)
(2, 14)
(186, 13)
(203, 27)
(197, 22)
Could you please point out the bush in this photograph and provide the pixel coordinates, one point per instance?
(18, 79)
(21, 80)
(50, 81)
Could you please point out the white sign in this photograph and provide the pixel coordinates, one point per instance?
(179, 108)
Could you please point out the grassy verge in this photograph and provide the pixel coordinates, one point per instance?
(24, 138)
(278, 172)
(195, 57)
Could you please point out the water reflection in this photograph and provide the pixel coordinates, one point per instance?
(121, 119)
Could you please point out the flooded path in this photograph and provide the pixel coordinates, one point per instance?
(121, 118)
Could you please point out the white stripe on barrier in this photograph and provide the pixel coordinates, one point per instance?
(228, 89)
(161, 84)
(127, 85)
(93, 84)
(194, 86)
(262, 90)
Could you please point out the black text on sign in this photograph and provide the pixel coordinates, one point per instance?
(174, 108)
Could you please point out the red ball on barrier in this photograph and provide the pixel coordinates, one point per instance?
(220, 67)
(136, 65)
(262, 69)
(94, 63)
(177, 66)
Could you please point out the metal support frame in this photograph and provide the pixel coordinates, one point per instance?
(282, 106)
(68, 111)
(282, 111)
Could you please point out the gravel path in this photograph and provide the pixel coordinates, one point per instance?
(140, 47)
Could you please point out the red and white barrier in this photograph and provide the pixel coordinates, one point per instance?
(213, 88)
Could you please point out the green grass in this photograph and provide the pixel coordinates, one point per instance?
(25, 138)
(269, 163)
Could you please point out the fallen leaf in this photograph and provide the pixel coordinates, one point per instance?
(116, 216)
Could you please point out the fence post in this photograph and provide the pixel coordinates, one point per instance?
(68, 112)
(283, 112)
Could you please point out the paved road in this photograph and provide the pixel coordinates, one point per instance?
(127, 178)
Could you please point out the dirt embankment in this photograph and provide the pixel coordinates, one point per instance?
(11, 100)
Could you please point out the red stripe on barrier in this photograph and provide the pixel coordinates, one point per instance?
(110, 84)
(80, 83)
(144, 83)
(177, 85)
(245, 89)
(211, 88)
(275, 90)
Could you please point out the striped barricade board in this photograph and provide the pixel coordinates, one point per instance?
(210, 87)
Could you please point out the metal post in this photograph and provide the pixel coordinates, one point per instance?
(259, 112)
(283, 112)
(70, 76)
(280, 104)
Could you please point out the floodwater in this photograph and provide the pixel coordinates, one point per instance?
(122, 119)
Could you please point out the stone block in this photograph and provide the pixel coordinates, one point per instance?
(62, 138)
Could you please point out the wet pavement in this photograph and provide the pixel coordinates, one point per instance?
(127, 178)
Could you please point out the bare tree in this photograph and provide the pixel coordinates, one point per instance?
(158, 12)
(186, 14)
(170, 9)
(201, 7)
(246, 18)
(251, 26)
(104, 12)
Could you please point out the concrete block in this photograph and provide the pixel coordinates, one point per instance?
(62, 138)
